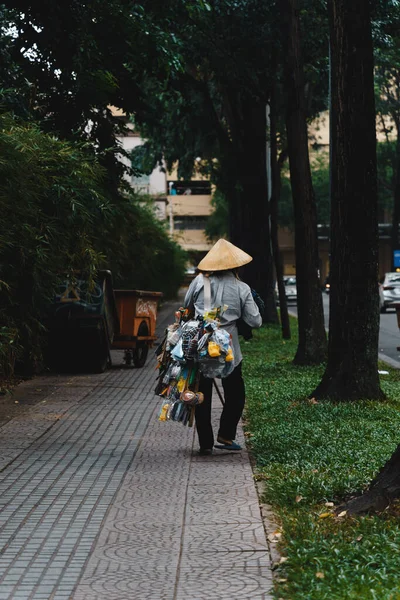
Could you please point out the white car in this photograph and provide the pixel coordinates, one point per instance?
(390, 289)
(290, 289)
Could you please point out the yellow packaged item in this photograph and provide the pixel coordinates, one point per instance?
(213, 349)
(229, 355)
(181, 384)
(164, 412)
(211, 315)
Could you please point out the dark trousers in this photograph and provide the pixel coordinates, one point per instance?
(234, 393)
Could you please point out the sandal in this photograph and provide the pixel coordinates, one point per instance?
(227, 445)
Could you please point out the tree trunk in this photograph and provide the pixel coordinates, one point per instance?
(352, 369)
(395, 237)
(248, 201)
(274, 202)
(312, 337)
(383, 490)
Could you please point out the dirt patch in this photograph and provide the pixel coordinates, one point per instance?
(17, 396)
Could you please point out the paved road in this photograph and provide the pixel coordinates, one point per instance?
(389, 333)
(101, 501)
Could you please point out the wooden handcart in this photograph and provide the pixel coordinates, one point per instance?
(85, 323)
(137, 312)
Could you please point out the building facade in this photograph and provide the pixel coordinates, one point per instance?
(184, 205)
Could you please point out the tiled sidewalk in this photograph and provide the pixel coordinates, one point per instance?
(100, 501)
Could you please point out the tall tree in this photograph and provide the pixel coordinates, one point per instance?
(275, 195)
(387, 88)
(352, 369)
(312, 338)
(215, 108)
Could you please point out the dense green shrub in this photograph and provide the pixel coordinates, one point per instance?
(55, 217)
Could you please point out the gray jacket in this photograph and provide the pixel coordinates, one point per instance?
(238, 298)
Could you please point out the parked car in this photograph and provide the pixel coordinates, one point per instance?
(391, 289)
(327, 286)
(290, 289)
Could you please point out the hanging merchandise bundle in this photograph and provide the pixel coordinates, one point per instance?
(192, 347)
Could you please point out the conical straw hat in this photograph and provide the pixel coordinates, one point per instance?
(222, 256)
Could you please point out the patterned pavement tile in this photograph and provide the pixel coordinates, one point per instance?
(101, 501)
(222, 583)
(224, 538)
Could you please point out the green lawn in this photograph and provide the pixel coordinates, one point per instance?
(310, 454)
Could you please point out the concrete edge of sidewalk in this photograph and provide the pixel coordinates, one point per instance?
(268, 517)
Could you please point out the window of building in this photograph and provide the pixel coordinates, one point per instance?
(141, 184)
(195, 188)
(189, 222)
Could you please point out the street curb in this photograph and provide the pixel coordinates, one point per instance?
(388, 360)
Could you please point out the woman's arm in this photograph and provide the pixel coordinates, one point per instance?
(250, 313)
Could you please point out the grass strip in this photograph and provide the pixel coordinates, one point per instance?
(311, 455)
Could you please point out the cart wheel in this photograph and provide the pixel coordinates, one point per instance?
(128, 357)
(139, 354)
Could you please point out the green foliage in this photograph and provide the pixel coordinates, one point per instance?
(313, 453)
(201, 109)
(320, 178)
(51, 204)
(56, 218)
(140, 253)
(69, 62)
(62, 66)
(386, 155)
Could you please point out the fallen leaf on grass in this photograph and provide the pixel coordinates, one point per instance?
(283, 559)
(299, 498)
(342, 514)
(329, 504)
(281, 580)
(360, 537)
(274, 537)
(320, 575)
(313, 401)
(325, 515)
(261, 477)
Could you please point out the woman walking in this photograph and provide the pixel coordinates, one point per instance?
(221, 266)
